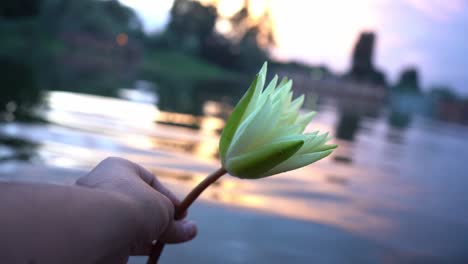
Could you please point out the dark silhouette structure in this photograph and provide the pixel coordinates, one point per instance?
(362, 68)
(363, 54)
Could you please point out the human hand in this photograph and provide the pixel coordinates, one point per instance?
(154, 203)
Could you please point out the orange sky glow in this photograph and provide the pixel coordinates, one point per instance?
(337, 28)
(429, 34)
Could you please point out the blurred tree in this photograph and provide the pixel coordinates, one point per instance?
(106, 18)
(95, 52)
(447, 105)
(18, 33)
(191, 25)
(11, 9)
(442, 92)
(251, 38)
(408, 81)
(192, 30)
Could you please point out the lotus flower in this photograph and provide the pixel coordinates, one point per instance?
(264, 134)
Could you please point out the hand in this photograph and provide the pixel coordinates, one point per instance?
(154, 203)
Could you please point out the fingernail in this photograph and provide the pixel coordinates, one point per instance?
(190, 229)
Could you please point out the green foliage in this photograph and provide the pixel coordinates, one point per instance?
(190, 26)
(408, 81)
(95, 17)
(174, 65)
(12, 9)
(77, 41)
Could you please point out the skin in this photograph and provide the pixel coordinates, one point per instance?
(115, 211)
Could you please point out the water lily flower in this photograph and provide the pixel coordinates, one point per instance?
(262, 137)
(264, 134)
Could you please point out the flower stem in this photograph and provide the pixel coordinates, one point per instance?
(182, 208)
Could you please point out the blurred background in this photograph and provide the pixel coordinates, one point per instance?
(154, 81)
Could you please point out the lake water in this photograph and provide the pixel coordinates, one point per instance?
(394, 191)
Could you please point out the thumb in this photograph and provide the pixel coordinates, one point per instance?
(179, 231)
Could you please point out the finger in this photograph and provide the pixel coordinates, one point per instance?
(151, 179)
(180, 231)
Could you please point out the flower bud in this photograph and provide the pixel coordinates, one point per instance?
(264, 134)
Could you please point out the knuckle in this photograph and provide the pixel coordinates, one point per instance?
(165, 210)
(113, 161)
(81, 181)
(168, 205)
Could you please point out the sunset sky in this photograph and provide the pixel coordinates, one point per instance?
(431, 34)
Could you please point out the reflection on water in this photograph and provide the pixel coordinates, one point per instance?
(12, 148)
(373, 185)
(133, 124)
(347, 126)
(20, 92)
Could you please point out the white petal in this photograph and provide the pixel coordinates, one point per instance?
(282, 131)
(283, 81)
(285, 88)
(248, 138)
(271, 86)
(256, 98)
(304, 120)
(317, 141)
(297, 103)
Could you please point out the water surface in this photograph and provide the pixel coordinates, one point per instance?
(394, 190)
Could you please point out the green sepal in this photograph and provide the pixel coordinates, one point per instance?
(235, 119)
(253, 164)
(298, 162)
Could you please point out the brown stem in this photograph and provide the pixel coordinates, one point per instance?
(183, 206)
